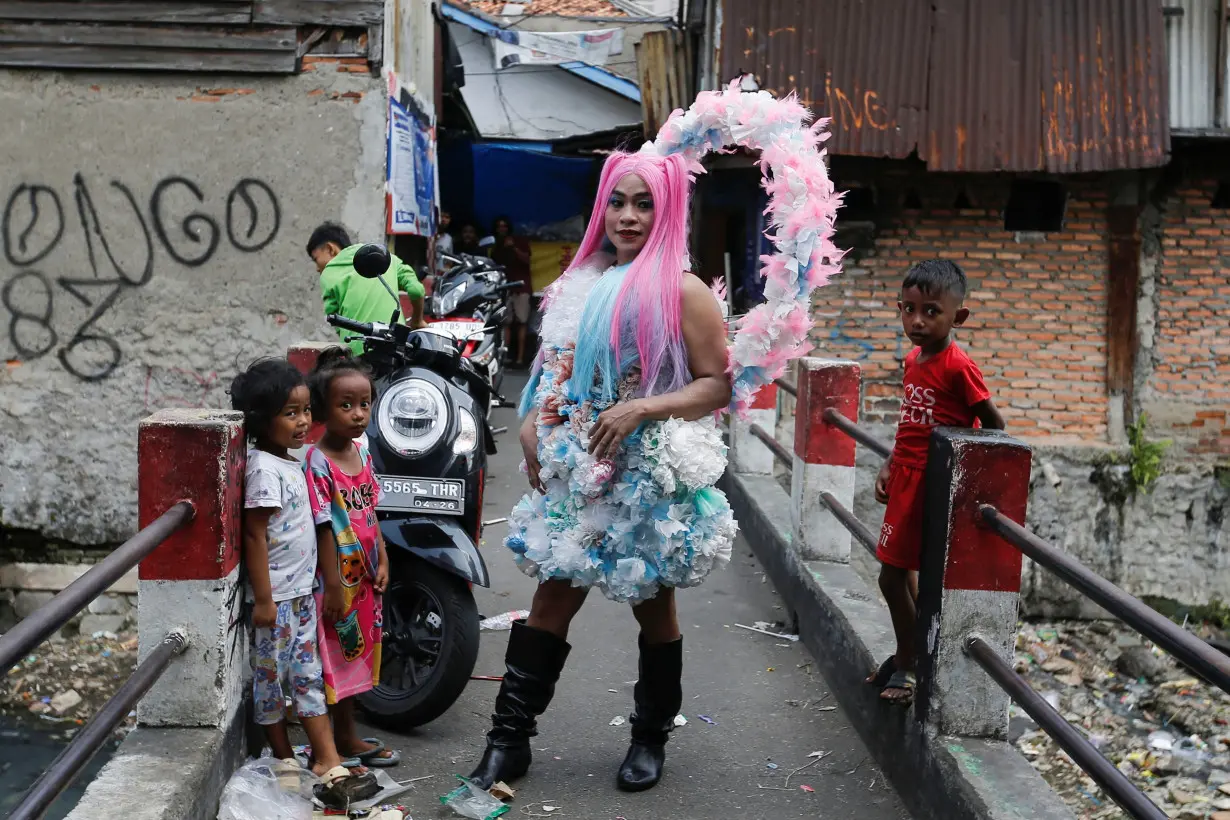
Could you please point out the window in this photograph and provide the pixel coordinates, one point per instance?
(1035, 206)
(1221, 197)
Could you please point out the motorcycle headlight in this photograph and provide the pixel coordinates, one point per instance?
(449, 301)
(467, 439)
(412, 417)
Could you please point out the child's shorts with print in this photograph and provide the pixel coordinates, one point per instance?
(286, 662)
(901, 536)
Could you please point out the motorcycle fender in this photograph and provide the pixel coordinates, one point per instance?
(439, 541)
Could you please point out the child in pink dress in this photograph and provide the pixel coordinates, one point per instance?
(353, 565)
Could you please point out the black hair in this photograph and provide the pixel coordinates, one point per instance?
(261, 391)
(328, 232)
(495, 223)
(334, 362)
(936, 277)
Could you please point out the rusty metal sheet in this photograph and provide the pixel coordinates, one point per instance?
(970, 85)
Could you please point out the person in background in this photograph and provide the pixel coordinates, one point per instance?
(467, 240)
(348, 294)
(513, 254)
(444, 239)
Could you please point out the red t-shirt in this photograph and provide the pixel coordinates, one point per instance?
(939, 392)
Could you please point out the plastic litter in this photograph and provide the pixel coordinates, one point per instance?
(468, 800)
(618, 720)
(761, 630)
(503, 622)
(268, 789)
(708, 720)
(680, 721)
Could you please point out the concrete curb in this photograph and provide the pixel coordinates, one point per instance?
(166, 774)
(848, 632)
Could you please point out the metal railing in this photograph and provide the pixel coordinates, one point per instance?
(775, 447)
(1187, 648)
(789, 387)
(35, 628)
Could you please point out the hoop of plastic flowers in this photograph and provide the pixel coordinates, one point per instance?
(802, 209)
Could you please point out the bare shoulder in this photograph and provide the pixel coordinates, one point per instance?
(697, 298)
(693, 287)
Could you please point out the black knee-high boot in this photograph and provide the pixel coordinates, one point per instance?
(533, 664)
(658, 696)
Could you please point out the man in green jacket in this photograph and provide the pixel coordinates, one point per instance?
(348, 294)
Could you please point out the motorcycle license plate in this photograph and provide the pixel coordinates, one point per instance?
(442, 496)
(456, 329)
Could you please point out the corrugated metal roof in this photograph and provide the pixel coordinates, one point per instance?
(971, 85)
(1191, 47)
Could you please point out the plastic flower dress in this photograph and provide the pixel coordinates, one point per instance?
(651, 517)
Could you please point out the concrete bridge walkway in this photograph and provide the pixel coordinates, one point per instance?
(771, 708)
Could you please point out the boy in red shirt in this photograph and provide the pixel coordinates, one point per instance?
(943, 387)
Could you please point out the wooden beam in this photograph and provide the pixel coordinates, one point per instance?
(147, 59)
(1122, 283)
(219, 12)
(318, 12)
(190, 38)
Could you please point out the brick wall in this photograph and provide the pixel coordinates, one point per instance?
(1038, 304)
(1187, 391)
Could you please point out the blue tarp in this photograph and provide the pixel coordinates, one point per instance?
(481, 181)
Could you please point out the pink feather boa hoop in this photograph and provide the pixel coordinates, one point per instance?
(802, 210)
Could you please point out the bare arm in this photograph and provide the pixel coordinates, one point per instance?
(704, 335)
(256, 560)
(989, 415)
(326, 561)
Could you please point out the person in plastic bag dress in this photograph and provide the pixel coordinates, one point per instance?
(622, 451)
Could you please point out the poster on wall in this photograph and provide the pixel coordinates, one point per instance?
(412, 173)
(513, 48)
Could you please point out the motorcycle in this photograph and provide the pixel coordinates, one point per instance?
(429, 440)
(470, 303)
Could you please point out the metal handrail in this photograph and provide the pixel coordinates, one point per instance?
(789, 387)
(1194, 653)
(52, 615)
(850, 521)
(86, 743)
(857, 433)
(775, 447)
(1078, 747)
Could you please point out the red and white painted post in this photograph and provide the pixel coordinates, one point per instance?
(748, 453)
(823, 457)
(191, 581)
(970, 581)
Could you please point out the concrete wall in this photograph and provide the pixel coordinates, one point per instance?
(153, 241)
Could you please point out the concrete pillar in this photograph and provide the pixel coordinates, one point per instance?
(191, 581)
(748, 453)
(823, 457)
(970, 580)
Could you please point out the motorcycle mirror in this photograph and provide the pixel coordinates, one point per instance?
(486, 242)
(371, 261)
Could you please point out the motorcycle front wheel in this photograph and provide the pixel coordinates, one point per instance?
(430, 645)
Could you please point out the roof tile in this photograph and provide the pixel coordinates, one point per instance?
(562, 8)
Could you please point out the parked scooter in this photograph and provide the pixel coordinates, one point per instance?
(429, 440)
(470, 303)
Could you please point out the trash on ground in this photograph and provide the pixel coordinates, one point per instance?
(503, 622)
(502, 791)
(65, 701)
(618, 720)
(771, 766)
(266, 788)
(807, 789)
(818, 754)
(761, 630)
(390, 790)
(680, 721)
(1166, 731)
(468, 800)
(708, 720)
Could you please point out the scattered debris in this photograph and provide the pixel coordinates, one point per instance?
(65, 701)
(680, 721)
(771, 766)
(618, 720)
(763, 630)
(468, 800)
(1168, 732)
(807, 789)
(708, 720)
(502, 791)
(503, 622)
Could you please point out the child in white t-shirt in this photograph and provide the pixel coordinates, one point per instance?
(279, 549)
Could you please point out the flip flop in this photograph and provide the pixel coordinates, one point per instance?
(884, 673)
(394, 759)
(339, 788)
(377, 748)
(901, 680)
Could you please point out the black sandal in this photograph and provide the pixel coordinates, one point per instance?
(884, 673)
(905, 681)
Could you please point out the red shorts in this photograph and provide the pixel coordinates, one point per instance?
(901, 536)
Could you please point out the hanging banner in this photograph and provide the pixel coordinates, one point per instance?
(412, 173)
(547, 261)
(514, 48)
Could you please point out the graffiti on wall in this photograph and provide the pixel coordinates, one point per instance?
(37, 220)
